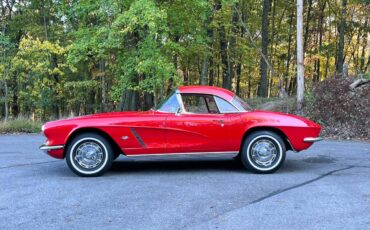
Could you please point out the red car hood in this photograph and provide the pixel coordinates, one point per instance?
(97, 116)
(113, 115)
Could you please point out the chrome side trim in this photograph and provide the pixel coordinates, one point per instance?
(179, 100)
(240, 111)
(313, 139)
(186, 153)
(54, 147)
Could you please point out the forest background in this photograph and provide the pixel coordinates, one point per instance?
(70, 58)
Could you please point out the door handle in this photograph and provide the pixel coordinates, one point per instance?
(220, 121)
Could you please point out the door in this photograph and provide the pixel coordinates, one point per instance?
(141, 133)
(201, 127)
(146, 134)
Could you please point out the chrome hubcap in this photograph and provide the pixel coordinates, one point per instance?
(89, 155)
(264, 152)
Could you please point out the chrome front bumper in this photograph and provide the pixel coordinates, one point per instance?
(313, 139)
(46, 148)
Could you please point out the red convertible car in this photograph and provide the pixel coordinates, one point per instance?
(193, 120)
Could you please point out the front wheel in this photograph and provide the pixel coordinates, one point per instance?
(263, 152)
(89, 154)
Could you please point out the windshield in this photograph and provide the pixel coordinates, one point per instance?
(169, 105)
(241, 104)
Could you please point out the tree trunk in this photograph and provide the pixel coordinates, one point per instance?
(341, 29)
(6, 101)
(211, 71)
(358, 83)
(300, 57)
(124, 105)
(307, 29)
(44, 21)
(207, 59)
(226, 77)
(238, 76)
(249, 86)
(363, 51)
(367, 64)
(161, 95)
(328, 50)
(103, 85)
(262, 87)
(321, 21)
(129, 100)
(289, 56)
(148, 101)
(218, 75)
(232, 48)
(264, 57)
(204, 71)
(170, 80)
(271, 77)
(6, 70)
(14, 104)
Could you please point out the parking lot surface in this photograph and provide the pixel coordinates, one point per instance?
(325, 187)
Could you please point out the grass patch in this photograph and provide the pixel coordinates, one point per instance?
(20, 125)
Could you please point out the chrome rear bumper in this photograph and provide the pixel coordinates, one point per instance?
(313, 139)
(46, 148)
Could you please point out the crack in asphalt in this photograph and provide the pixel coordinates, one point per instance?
(280, 191)
(277, 192)
(361, 166)
(21, 165)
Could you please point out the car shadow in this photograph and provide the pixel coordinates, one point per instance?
(292, 166)
(177, 165)
(124, 166)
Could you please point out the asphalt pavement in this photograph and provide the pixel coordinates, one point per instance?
(325, 187)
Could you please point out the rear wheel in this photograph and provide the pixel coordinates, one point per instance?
(89, 154)
(263, 152)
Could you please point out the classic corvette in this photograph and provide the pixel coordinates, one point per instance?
(192, 120)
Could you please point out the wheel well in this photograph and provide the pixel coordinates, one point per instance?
(271, 129)
(117, 150)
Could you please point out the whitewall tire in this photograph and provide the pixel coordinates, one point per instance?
(263, 152)
(89, 155)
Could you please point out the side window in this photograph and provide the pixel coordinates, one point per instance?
(194, 103)
(171, 105)
(212, 107)
(224, 106)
